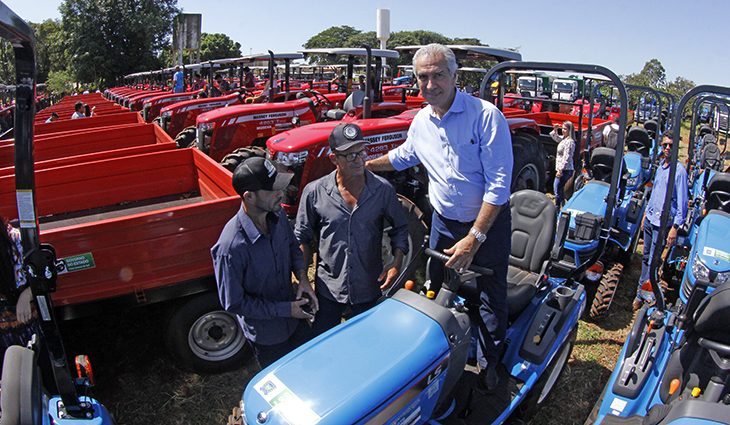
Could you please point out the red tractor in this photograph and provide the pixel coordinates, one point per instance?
(222, 131)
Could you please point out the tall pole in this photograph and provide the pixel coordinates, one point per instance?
(382, 31)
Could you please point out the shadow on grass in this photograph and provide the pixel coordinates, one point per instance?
(574, 395)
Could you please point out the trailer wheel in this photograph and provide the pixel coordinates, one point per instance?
(543, 387)
(231, 161)
(606, 291)
(204, 338)
(528, 171)
(185, 137)
(416, 232)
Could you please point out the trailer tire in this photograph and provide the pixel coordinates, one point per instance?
(185, 137)
(545, 385)
(202, 337)
(606, 291)
(528, 170)
(231, 161)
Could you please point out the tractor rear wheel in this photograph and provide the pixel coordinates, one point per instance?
(231, 161)
(185, 137)
(203, 337)
(416, 233)
(606, 291)
(528, 171)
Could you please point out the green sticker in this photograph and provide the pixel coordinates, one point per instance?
(75, 263)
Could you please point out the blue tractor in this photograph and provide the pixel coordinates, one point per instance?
(407, 359)
(23, 400)
(674, 366)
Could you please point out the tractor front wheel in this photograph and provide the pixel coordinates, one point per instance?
(606, 291)
(185, 137)
(528, 170)
(416, 233)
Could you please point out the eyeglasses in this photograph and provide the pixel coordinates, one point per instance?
(666, 145)
(352, 156)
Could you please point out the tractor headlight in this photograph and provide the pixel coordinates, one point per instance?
(699, 269)
(166, 115)
(722, 278)
(205, 127)
(291, 159)
(632, 181)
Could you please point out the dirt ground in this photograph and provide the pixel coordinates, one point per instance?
(140, 385)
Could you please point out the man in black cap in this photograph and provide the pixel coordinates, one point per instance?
(346, 211)
(253, 262)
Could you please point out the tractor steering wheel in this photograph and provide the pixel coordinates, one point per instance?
(319, 97)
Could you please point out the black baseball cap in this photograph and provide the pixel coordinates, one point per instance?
(259, 174)
(345, 136)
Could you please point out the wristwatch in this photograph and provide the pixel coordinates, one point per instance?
(480, 237)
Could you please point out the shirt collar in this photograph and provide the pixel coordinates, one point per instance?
(252, 232)
(329, 183)
(457, 105)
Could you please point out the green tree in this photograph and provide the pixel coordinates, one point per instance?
(358, 40)
(652, 75)
(60, 82)
(50, 48)
(109, 38)
(7, 63)
(679, 87)
(218, 46)
(331, 37)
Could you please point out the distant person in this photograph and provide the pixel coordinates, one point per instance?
(89, 111)
(610, 134)
(54, 116)
(18, 317)
(78, 111)
(341, 82)
(564, 167)
(253, 262)
(652, 216)
(220, 86)
(361, 85)
(198, 83)
(248, 78)
(178, 80)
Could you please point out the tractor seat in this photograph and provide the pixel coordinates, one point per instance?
(601, 163)
(638, 140)
(651, 126)
(713, 314)
(718, 193)
(705, 129)
(533, 229)
(353, 101)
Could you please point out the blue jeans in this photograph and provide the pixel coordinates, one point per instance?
(559, 187)
(268, 354)
(651, 234)
(494, 254)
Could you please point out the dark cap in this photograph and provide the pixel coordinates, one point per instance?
(345, 136)
(259, 174)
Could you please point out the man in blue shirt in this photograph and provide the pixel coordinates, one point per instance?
(465, 145)
(653, 213)
(178, 81)
(253, 262)
(345, 212)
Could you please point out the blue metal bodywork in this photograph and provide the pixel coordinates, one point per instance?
(386, 365)
(100, 415)
(710, 246)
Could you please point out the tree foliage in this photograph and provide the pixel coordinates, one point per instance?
(109, 38)
(50, 47)
(218, 46)
(654, 75)
(60, 82)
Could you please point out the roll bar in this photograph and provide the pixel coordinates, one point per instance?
(499, 70)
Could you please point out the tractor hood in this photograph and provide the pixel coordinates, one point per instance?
(378, 131)
(212, 102)
(712, 241)
(351, 373)
(255, 111)
(591, 198)
(171, 97)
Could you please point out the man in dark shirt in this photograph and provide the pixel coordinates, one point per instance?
(346, 212)
(253, 261)
(248, 78)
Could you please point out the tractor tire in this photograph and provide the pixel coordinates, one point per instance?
(578, 182)
(204, 338)
(606, 291)
(544, 386)
(186, 137)
(231, 161)
(528, 170)
(416, 234)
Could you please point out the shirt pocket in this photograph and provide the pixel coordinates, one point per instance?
(467, 156)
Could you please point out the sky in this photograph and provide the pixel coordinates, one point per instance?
(686, 36)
